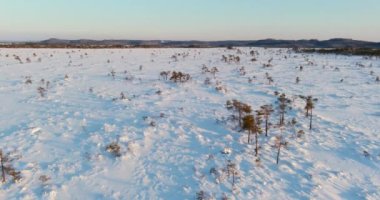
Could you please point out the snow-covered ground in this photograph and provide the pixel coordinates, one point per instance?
(172, 139)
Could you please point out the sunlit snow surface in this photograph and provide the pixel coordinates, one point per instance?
(64, 134)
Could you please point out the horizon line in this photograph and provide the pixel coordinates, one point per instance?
(56, 38)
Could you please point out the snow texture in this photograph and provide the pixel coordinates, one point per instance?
(175, 139)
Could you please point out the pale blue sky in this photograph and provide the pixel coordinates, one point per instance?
(189, 19)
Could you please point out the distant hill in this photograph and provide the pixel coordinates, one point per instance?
(85, 43)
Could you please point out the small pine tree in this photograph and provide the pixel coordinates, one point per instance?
(252, 124)
(213, 71)
(240, 108)
(309, 100)
(248, 124)
(265, 111)
(278, 144)
(7, 168)
(114, 149)
(310, 106)
(232, 170)
(41, 91)
(2, 160)
(113, 73)
(283, 106)
(257, 130)
(201, 195)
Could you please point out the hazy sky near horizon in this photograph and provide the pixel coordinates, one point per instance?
(189, 19)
